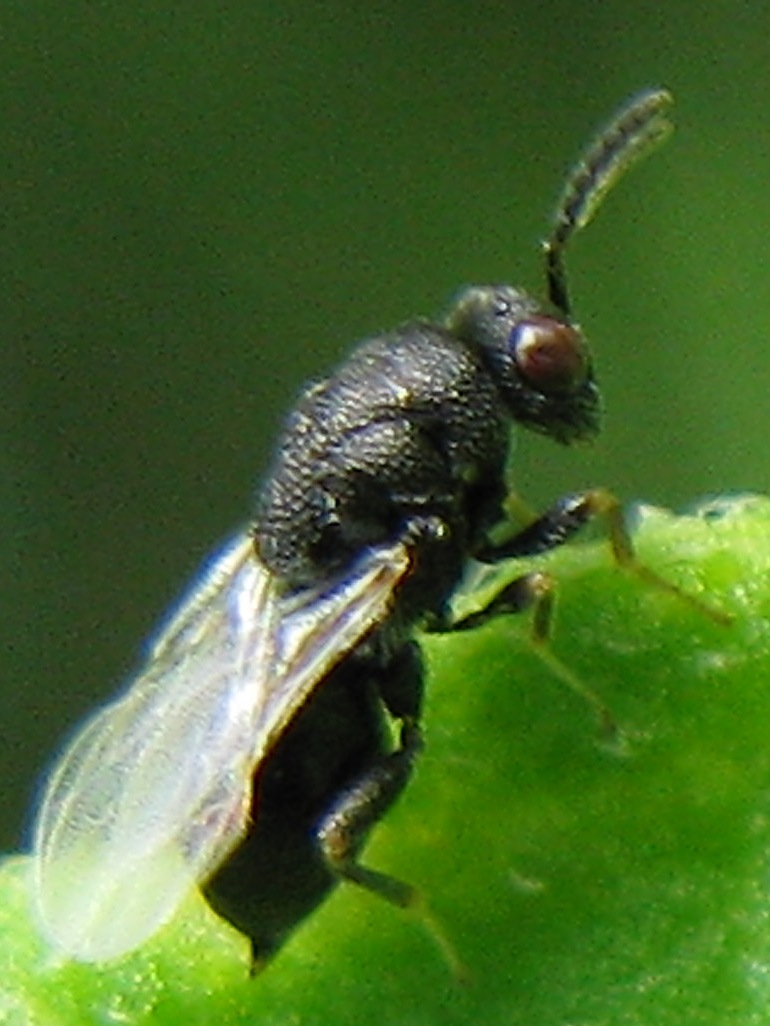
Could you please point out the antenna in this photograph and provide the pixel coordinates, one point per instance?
(635, 130)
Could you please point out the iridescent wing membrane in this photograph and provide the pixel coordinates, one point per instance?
(154, 792)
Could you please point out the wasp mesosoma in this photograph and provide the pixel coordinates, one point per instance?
(277, 715)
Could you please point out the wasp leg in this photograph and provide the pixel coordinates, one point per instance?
(365, 800)
(559, 523)
(565, 518)
(536, 592)
(344, 828)
(355, 811)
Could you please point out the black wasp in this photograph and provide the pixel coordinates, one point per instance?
(254, 751)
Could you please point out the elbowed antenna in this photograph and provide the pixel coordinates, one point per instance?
(634, 131)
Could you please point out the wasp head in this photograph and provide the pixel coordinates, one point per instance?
(540, 362)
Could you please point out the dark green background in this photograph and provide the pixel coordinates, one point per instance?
(203, 204)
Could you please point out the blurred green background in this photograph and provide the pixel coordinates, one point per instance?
(204, 204)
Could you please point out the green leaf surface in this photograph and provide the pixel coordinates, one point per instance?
(581, 883)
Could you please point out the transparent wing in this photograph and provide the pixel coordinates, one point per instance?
(155, 791)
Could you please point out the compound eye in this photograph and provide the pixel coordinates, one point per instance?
(549, 355)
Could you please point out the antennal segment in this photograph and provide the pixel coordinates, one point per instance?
(634, 131)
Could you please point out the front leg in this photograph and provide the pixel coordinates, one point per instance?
(560, 523)
(535, 590)
(564, 519)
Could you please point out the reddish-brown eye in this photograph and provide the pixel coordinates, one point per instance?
(550, 355)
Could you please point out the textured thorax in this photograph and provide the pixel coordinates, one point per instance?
(411, 422)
